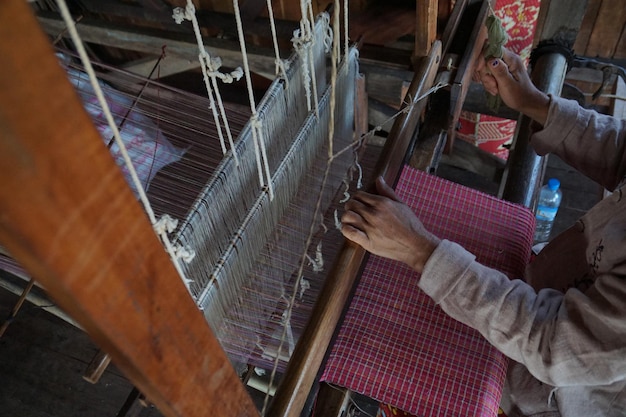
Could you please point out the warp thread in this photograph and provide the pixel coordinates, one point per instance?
(82, 52)
(210, 71)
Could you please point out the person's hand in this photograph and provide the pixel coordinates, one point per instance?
(508, 78)
(385, 226)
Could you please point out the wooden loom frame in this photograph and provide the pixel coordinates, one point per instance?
(160, 342)
(92, 246)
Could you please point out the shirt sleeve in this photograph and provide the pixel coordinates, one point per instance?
(563, 339)
(593, 143)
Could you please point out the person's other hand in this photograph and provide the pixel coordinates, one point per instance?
(508, 78)
(385, 226)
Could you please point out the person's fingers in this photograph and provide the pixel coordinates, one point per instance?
(353, 218)
(357, 236)
(490, 84)
(385, 190)
(500, 72)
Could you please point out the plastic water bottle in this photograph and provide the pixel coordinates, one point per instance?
(547, 206)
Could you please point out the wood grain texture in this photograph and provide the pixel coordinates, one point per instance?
(586, 27)
(426, 26)
(607, 29)
(70, 219)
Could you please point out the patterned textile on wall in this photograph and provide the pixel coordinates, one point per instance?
(396, 345)
(489, 133)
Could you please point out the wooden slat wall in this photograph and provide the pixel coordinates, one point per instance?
(602, 32)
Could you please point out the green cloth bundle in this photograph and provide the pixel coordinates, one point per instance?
(496, 38)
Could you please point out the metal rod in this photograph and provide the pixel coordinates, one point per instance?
(524, 172)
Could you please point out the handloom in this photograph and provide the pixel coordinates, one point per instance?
(251, 213)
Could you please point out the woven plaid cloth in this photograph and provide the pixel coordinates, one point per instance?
(396, 346)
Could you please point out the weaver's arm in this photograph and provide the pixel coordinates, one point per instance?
(545, 330)
(593, 143)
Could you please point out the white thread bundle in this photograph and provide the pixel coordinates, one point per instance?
(210, 71)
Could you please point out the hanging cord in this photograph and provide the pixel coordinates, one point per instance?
(210, 73)
(314, 223)
(257, 132)
(303, 42)
(281, 68)
(407, 109)
(346, 34)
(174, 252)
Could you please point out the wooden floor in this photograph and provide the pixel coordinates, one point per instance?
(42, 358)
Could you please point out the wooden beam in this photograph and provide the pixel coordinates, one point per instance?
(70, 219)
(607, 29)
(560, 19)
(476, 13)
(151, 41)
(168, 66)
(586, 27)
(426, 26)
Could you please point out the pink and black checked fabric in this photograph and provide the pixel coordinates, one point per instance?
(396, 346)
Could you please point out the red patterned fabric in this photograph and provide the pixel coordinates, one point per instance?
(492, 134)
(396, 346)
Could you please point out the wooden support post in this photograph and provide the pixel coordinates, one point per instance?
(70, 219)
(477, 13)
(426, 26)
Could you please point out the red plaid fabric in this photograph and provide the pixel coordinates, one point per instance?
(396, 346)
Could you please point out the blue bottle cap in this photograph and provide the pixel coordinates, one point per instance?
(554, 184)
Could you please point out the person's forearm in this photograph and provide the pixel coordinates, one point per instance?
(536, 107)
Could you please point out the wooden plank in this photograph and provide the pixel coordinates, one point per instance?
(560, 19)
(168, 66)
(41, 359)
(70, 219)
(477, 13)
(453, 24)
(607, 29)
(151, 41)
(586, 27)
(426, 26)
(311, 348)
(618, 105)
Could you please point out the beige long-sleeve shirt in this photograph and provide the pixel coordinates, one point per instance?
(566, 323)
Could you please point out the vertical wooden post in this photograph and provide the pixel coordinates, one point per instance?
(67, 215)
(426, 26)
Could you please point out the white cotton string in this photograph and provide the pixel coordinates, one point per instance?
(281, 70)
(210, 73)
(301, 41)
(312, 58)
(257, 133)
(345, 27)
(378, 128)
(161, 230)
